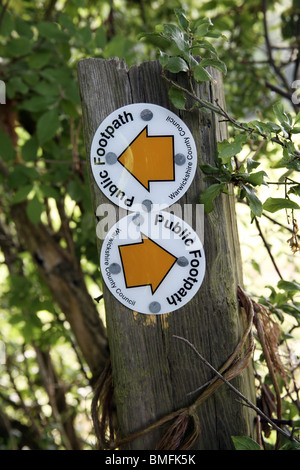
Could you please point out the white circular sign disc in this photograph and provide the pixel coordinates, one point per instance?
(143, 154)
(153, 263)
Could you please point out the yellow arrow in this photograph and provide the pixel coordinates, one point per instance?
(145, 263)
(149, 158)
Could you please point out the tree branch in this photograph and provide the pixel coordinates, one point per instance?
(237, 392)
(278, 90)
(267, 247)
(269, 48)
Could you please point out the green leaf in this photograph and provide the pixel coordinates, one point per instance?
(199, 21)
(294, 164)
(75, 190)
(38, 103)
(177, 97)
(100, 38)
(254, 203)
(182, 20)
(288, 286)
(199, 45)
(245, 443)
(252, 164)
(177, 37)
(7, 24)
(21, 175)
(273, 204)
(49, 191)
(216, 63)
(209, 195)
(21, 194)
(202, 30)
(45, 88)
(61, 75)
(34, 210)
(210, 170)
(283, 117)
(18, 47)
(201, 27)
(201, 75)
(262, 127)
(273, 126)
(85, 35)
(7, 151)
(119, 46)
(290, 446)
(279, 111)
(156, 39)
(297, 118)
(163, 58)
(176, 65)
(66, 22)
(256, 266)
(23, 28)
(229, 149)
(257, 178)
(47, 126)
(50, 31)
(14, 86)
(295, 190)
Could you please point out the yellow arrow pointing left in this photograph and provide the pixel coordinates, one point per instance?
(149, 158)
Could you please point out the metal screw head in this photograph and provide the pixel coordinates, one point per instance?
(137, 219)
(182, 261)
(147, 204)
(180, 159)
(154, 307)
(146, 115)
(114, 268)
(111, 158)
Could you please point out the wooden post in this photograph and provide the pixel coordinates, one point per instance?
(153, 372)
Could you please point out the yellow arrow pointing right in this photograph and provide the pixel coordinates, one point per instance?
(145, 263)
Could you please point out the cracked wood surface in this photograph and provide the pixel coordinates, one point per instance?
(153, 373)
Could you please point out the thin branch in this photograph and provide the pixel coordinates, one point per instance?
(267, 247)
(237, 392)
(219, 110)
(269, 48)
(296, 69)
(49, 10)
(60, 162)
(278, 90)
(23, 405)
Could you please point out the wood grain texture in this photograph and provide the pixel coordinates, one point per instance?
(152, 371)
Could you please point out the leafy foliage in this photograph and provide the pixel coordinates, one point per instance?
(185, 48)
(245, 443)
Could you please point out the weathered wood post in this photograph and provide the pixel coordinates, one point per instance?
(154, 373)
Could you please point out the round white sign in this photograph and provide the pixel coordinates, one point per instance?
(153, 263)
(142, 155)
